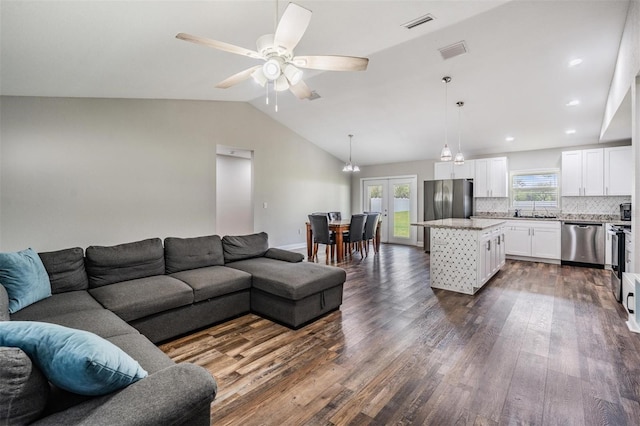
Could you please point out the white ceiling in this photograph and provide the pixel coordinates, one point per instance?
(514, 80)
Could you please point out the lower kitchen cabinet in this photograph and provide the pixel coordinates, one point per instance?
(535, 239)
(492, 254)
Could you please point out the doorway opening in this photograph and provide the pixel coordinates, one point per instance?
(234, 191)
(397, 200)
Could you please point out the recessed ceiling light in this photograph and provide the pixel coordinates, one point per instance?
(575, 62)
(509, 139)
(572, 103)
(570, 131)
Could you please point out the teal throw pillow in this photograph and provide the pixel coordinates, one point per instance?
(23, 276)
(74, 360)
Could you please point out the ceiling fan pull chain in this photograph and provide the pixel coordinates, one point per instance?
(267, 87)
(274, 89)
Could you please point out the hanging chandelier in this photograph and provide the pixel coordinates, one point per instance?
(445, 154)
(350, 167)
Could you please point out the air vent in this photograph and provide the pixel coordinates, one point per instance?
(454, 49)
(314, 96)
(419, 21)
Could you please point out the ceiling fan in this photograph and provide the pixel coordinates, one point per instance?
(281, 67)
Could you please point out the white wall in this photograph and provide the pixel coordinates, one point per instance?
(234, 195)
(76, 172)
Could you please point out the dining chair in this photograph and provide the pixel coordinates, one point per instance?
(355, 234)
(335, 216)
(370, 227)
(322, 235)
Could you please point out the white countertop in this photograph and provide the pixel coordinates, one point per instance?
(472, 224)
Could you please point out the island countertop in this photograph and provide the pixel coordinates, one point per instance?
(472, 224)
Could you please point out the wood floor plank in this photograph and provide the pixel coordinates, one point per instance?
(540, 344)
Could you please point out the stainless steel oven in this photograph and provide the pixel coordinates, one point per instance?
(617, 260)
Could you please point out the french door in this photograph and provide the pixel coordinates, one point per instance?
(396, 199)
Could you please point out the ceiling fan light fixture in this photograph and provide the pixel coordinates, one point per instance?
(258, 77)
(281, 84)
(271, 69)
(293, 74)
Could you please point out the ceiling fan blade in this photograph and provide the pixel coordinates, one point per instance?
(220, 45)
(301, 90)
(237, 78)
(331, 63)
(292, 25)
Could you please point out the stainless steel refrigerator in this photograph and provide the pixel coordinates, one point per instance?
(443, 199)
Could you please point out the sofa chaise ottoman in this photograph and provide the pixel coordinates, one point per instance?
(284, 288)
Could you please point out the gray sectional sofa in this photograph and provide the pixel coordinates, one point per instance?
(137, 294)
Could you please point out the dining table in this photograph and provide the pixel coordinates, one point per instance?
(339, 226)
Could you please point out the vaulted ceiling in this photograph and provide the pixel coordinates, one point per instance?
(514, 79)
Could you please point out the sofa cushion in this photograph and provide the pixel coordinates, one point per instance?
(124, 262)
(23, 276)
(239, 247)
(101, 321)
(293, 281)
(139, 298)
(74, 360)
(66, 269)
(58, 304)
(214, 281)
(284, 255)
(181, 254)
(23, 388)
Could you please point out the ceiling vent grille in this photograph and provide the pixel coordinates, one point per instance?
(419, 21)
(454, 49)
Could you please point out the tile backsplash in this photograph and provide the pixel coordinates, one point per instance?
(569, 205)
(593, 205)
(492, 205)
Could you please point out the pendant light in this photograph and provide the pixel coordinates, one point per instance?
(350, 167)
(459, 158)
(445, 154)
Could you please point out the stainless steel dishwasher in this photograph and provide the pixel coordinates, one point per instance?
(583, 244)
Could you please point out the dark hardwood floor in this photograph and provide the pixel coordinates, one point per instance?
(538, 345)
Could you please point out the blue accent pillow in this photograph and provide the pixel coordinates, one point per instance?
(23, 276)
(74, 360)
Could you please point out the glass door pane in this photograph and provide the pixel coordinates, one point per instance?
(402, 210)
(401, 206)
(375, 200)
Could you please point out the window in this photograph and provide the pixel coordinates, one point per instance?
(535, 189)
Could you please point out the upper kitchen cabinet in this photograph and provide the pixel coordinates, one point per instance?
(449, 170)
(491, 178)
(618, 170)
(583, 172)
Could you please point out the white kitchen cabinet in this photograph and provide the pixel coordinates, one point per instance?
(518, 239)
(491, 178)
(583, 172)
(618, 170)
(449, 170)
(492, 253)
(535, 239)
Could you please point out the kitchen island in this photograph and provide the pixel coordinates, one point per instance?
(465, 253)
